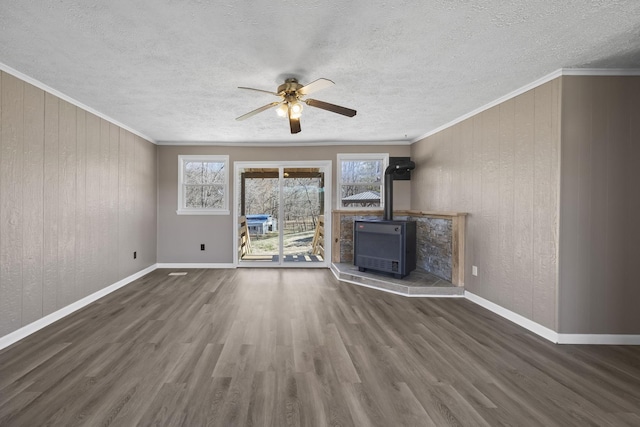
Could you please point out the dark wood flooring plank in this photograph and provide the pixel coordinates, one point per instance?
(166, 406)
(32, 357)
(625, 419)
(339, 357)
(15, 405)
(235, 407)
(262, 399)
(360, 406)
(313, 404)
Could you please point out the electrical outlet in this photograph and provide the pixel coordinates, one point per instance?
(474, 270)
(135, 254)
(202, 246)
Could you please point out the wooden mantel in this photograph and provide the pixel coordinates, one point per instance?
(457, 238)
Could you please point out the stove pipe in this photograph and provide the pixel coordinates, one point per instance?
(399, 168)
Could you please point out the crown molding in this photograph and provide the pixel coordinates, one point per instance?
(621, 72)
(281, 143)
(551, 76)
(52, 91)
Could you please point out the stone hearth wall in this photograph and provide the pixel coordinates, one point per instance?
(434, 245)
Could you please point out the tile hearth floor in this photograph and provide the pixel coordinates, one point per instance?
(417, 283)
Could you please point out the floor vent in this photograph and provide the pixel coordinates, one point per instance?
(178, 273)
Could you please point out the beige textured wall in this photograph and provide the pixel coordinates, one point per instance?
(77, 197)
(600, 206)
(179, 236)
(502, 167)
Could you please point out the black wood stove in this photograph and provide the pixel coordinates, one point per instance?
(388, 246)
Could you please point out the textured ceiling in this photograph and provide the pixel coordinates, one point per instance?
(170, 69)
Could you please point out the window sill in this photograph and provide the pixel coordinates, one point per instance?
(203, 212)
(361, 208)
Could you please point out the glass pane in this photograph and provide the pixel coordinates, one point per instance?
(368, 171)
(359, 195)
(193, 196)
(193, 172)
(259, 188)
(204, 196)
(213, 173)
(303, 199)
(204, 173)
(213, 197)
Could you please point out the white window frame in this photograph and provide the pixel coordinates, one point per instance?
(182, 210)
(360, 156)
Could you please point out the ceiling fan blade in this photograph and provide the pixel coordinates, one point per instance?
(315, 86)
(294, 124)
(258, 110)
(331, 107)
(258, 90)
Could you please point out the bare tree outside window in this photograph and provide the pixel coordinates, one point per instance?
(302, 206)
(261, 196)
(361, 182)
(301, 201)
(204, 184)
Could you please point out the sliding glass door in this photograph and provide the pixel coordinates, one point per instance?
(281, 213)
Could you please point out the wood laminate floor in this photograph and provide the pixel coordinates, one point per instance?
(276, 347)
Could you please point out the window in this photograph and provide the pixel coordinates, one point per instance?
(203, 185)
(360, 180)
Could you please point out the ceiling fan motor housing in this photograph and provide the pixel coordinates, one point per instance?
(289, 87)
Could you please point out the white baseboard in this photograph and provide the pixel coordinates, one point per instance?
(530, 325)
(553, 336)
(195, 265)
(27, 330)
(599, 339)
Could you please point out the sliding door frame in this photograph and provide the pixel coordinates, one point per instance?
(326, 167)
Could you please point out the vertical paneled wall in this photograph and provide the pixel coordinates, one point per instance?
(502, 167)
(600, 206)
(77, 197)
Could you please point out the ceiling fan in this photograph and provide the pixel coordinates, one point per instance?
(291, 95)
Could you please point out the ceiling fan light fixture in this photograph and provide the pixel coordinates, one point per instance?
(282, 110)
(296, 109)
